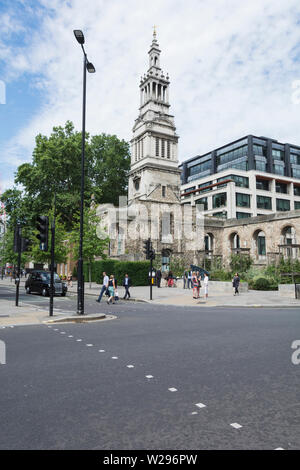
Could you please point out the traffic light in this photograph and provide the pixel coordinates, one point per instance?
(17, 238)
(25, 244)
(147, 247)
(149, 250)
(43, 228)
(152, 253)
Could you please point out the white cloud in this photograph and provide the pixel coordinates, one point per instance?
(231, 66)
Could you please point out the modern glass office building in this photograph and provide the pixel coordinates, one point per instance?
(248, 177)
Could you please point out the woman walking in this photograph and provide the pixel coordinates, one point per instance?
(236, 283)
(111, 290)
(199, 284)
(194, 285)
(205, 282)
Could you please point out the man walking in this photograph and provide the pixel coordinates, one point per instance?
(158, 277)
(126, 284)
(104, 286)
(236, 283)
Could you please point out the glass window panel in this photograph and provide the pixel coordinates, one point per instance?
(264, 202)
(219, 200)
(296, 190)
(262, 184)
(282, 204)
(242, 215)
(242, 200)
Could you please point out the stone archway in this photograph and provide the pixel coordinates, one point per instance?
(235, 242)
(259, 245)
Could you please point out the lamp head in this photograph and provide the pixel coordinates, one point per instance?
(79, 36)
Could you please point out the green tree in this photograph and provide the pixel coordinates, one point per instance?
(7, 254)
(240, 263)
(56, 167)
(92, 245)
(109, 165)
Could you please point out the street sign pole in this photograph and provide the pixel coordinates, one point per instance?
(52, 261)
(151, 278)
(19, 263)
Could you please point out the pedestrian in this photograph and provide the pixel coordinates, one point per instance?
(116, 294)
(104, 286)
(236, 283)
(158, 277)
(205, 282)
(127, 284)
(170, 279)
(69, 280)
(190, 279)
(111, 290)
(194, 285)
(185, 279)
(199, 284)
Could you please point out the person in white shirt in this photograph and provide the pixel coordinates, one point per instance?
(104, 287)
(205, 283)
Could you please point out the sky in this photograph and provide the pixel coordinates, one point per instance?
(234, 69)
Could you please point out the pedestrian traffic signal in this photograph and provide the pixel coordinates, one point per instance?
(43, 228)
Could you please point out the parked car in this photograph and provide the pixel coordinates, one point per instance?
(39, 282)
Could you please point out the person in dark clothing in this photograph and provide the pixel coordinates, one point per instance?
(236, 283)
(158, 277)
(127, 284)
(185, 279)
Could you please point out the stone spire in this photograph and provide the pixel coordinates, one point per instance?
(154, 160)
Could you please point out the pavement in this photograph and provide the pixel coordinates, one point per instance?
(29, 313)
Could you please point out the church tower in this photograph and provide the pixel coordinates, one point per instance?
(154, 174)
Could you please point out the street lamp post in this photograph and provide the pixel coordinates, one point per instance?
(87, 66)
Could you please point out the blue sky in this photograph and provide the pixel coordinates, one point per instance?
(234, 69)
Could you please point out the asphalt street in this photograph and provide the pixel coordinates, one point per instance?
(156, 377)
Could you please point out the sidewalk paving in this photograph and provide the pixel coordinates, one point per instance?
(30, 315)
(184, 297)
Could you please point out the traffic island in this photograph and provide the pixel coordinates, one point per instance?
(75, 318)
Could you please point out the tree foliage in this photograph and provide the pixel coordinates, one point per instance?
(56, 167)
(92, 245)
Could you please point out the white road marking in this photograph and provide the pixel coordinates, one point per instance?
(62, 332)
(56, 329)
(279, 448)
(78, 339)
(200, 405)
(89, 345)
(236, 425)
(172, 389)
(101, 350)
(70, 336)
(149, 376)
(194, 413)
(130, 366)
(114, 357)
